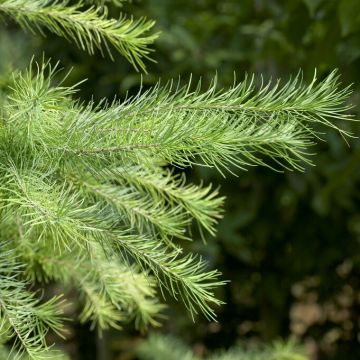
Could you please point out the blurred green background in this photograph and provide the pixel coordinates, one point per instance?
(289, 242)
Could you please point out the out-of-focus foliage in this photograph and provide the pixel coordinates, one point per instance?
(164, 347)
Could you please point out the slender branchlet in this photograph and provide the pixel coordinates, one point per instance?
(88, 28)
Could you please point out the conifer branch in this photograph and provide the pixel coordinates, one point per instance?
(86, 199)
(22, 316)
(47, 210)
(202, 203)
(148, 215)
(100, 168)
(216, 128)
(184, 277)
(112, 292)
(89, 29)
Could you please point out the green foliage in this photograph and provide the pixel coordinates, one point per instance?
(6, 354)
(22, 315)
(86, 198)
(112, 292)
(349, 16)
(162, 347)
(89, 29)
(68, 189)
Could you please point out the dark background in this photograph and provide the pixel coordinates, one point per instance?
(289, 242)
